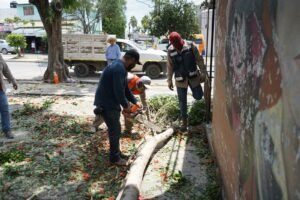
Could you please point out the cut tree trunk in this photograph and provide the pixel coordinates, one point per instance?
(131, 188)
(51, 16)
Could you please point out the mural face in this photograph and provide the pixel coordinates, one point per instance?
(262, 90)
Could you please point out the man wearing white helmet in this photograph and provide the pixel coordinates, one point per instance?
(138, 86)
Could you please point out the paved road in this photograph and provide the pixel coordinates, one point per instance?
(35, 71)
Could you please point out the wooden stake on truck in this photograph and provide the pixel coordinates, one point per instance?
(86, 53)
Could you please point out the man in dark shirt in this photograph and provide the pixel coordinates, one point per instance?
(111, 94)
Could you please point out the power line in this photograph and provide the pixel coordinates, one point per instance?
(149, 5)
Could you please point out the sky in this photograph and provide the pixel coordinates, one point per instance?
(139, 10)
(134, 7)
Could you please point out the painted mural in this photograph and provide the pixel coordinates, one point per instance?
(257, 103)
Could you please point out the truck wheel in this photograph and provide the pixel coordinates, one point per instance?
(81, 70)
(153, 71)
(4, 51)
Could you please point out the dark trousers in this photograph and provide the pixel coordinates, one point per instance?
(112, 121)
(182, 98)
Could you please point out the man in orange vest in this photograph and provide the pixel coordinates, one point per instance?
(137, 86)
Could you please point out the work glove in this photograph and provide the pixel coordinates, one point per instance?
(139, 104)
(15, 86)
(170, 85)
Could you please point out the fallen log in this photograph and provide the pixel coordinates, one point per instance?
(131, 188)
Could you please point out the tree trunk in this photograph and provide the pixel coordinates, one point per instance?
(55, 53)
(131, 188)
(52, 24)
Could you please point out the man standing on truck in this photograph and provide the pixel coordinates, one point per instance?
(112, 94)
(4, 108)
(113, 51)
(137, 86)
(183, 59)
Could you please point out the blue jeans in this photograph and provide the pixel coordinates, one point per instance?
(112, 121)
(4, 110)
(182, 98)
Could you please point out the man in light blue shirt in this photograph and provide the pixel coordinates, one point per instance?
(113, 52)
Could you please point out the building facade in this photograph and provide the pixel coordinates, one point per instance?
(28, 12)
(256, 118)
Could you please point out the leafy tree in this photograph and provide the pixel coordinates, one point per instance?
(175, 15)
(18, 41)
(9, 20)
(16, 20)
(113, 16)
(88, 13)
(207, 4)
(138, 29)
(133, 23)
(146, 23)
(51, 16)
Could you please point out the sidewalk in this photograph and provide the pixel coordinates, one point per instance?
(45, 89)
(182, 169)
(39, 88)
(41, 58)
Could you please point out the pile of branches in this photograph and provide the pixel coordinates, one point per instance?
(165, 109)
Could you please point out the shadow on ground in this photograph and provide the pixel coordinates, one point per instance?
(183, 169)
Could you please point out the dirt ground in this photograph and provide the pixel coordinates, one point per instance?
(56, 155)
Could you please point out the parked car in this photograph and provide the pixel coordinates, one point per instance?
(5, 48)
(163, 45)
(86, 53)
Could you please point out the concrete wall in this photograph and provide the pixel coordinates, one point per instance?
(256, 118)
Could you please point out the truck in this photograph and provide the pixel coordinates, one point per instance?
(86, 54)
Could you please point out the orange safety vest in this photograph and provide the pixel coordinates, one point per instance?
(132, 85)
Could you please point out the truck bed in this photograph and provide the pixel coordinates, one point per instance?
(84, 47)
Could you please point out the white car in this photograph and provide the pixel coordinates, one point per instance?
(163, 45)
(154, 61)
(5, 48)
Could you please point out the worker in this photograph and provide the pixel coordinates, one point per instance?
(112, 94)
(4, 109)
(113, 51)
(138, 86)
(183, 62)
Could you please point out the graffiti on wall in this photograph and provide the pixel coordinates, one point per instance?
(262, 86)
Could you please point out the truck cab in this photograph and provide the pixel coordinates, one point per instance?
(154, 61)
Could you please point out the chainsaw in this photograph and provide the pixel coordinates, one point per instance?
(136, 115)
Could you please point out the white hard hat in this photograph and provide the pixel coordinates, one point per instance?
(146, 81)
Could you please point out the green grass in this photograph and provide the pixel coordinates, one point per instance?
(30, 108)
(12, 155)
(166, 109)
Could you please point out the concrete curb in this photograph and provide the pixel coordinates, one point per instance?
(49, 94)
(29, 61)
(27, 81)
